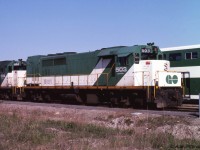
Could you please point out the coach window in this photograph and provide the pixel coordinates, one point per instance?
(194, 55)
(191, 55)
(164, 57)
(187, 55)
(175, 56)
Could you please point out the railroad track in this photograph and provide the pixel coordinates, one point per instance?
(189, 107)
(190, 110)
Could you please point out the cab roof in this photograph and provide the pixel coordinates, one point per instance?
(121, 51)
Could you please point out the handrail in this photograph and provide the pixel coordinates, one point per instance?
(142, 75)
(111, 68)
(98, 78)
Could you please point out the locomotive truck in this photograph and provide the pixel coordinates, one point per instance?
(124, 75)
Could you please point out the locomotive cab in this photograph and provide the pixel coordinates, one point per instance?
(145, 68)
(15, 73)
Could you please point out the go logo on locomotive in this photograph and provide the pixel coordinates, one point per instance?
(171, 79)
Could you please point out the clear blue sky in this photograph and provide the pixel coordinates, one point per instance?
(33, 27)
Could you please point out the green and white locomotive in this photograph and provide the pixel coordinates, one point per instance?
(126, 76)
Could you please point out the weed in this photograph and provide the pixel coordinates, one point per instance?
(167, 141)
(128, 132)
(155, 122)
(61, 125)
(17, 131)
(128, 121)
(81, 130)
(110, 117)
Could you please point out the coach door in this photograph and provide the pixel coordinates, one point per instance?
(186, 85)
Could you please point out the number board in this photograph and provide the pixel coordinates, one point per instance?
(120, 69)
(146, 50)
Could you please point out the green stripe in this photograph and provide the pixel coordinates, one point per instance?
(183, 62)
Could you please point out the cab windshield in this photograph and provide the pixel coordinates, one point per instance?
(148, 54)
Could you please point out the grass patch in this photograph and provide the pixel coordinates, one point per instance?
(155, 122)
(84, 130)
(29, 133)
(17, 131)
(167, 141)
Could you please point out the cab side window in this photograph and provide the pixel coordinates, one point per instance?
(123, 61)
(136, 58)
(10, 69)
